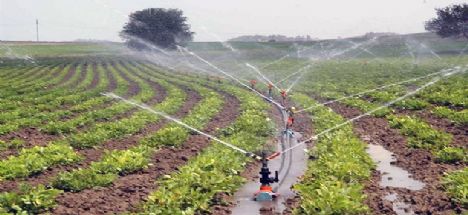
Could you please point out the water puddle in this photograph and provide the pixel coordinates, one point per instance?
(392, 176)
(399, 207)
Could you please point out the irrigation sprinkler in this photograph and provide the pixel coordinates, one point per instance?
(266, 191)
(262, 75)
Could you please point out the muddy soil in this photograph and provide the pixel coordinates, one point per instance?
(129, 191)
(420, 163)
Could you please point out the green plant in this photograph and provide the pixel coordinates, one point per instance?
(331, 186)
(456, 185)
(459, 117)
(420, 134)
(452, 155)
(29, 200)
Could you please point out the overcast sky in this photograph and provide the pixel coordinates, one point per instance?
(213, 20)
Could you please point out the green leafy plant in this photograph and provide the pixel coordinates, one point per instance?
(455, 183)
(452, 155)
(29, 200)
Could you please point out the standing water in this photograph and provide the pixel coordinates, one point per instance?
(393, 176)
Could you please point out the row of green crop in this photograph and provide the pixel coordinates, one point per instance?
(116, 162)
(333, 183)
(35, 115)
(191, 189)
(456, 185)
(38, 106)
(459, 117)
(103, 172)
(38, 86)
(23, 166)
(422, 135)
(74, 124)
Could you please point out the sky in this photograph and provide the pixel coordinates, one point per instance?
(217, 20)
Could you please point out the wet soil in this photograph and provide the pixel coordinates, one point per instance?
(420, 163)
(129, 191)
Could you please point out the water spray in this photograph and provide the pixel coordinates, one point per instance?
(147, 108)
(315, 137)
(375, 89)
(262, 75)
(230, 76)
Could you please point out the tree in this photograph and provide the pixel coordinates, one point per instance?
(451, 21)
(165, 28)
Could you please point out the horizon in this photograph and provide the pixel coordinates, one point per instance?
(103, 19)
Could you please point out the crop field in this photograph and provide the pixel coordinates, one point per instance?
(384, 127)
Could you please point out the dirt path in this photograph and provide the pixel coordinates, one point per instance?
(420, 163)
(127, 192)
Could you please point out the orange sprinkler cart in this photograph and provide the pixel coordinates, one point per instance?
(253, 82)
(270, 87)
(283, 96)
(290, 121)
(266, 192)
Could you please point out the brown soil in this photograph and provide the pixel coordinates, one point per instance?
(30, 136)
(129, 191)
(420, 163)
